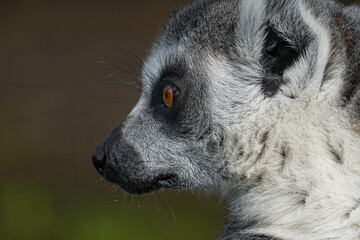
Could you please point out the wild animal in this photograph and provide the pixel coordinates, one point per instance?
(258, 101)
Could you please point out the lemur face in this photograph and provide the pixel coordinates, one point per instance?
(222, 78)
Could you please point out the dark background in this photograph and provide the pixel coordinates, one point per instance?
(58, 100)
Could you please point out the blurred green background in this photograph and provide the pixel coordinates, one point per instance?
(57, 102)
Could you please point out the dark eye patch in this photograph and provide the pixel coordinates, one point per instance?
(278, 55)
(188, 109)
(171, 75)
(157, 102)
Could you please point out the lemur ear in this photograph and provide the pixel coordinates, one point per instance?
(296, 52)
(277, 56)
(278, 53)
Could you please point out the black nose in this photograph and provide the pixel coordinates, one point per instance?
(101, 156)
(99, 159)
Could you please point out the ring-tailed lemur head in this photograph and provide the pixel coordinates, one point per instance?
(256, 99)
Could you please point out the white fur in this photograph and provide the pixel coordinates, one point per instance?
(305, 125)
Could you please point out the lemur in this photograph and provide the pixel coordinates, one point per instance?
(258, 101)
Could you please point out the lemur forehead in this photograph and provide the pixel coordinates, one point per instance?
(204, 23)
(165, 60)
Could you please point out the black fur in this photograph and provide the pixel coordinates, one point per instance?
(303, 196)
(277, 56)
(336, 155)
(235, 230)
(284, 154)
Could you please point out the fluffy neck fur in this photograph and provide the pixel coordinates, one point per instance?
(305, 169)
(311, 190)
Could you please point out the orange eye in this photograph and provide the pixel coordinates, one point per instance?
(168, 95)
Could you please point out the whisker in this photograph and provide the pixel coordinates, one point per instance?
(167, 205)
(130, 55)
(155, 205)
(130, 84)
(121, 68)
(129, 73)
(136, 60)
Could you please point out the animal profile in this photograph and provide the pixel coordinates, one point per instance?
(258, 101)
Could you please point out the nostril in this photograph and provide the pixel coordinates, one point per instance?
(99, 159)
(99, 164)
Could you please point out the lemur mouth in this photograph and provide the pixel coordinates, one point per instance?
(145, 185)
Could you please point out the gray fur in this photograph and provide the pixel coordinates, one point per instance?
(268, 116)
